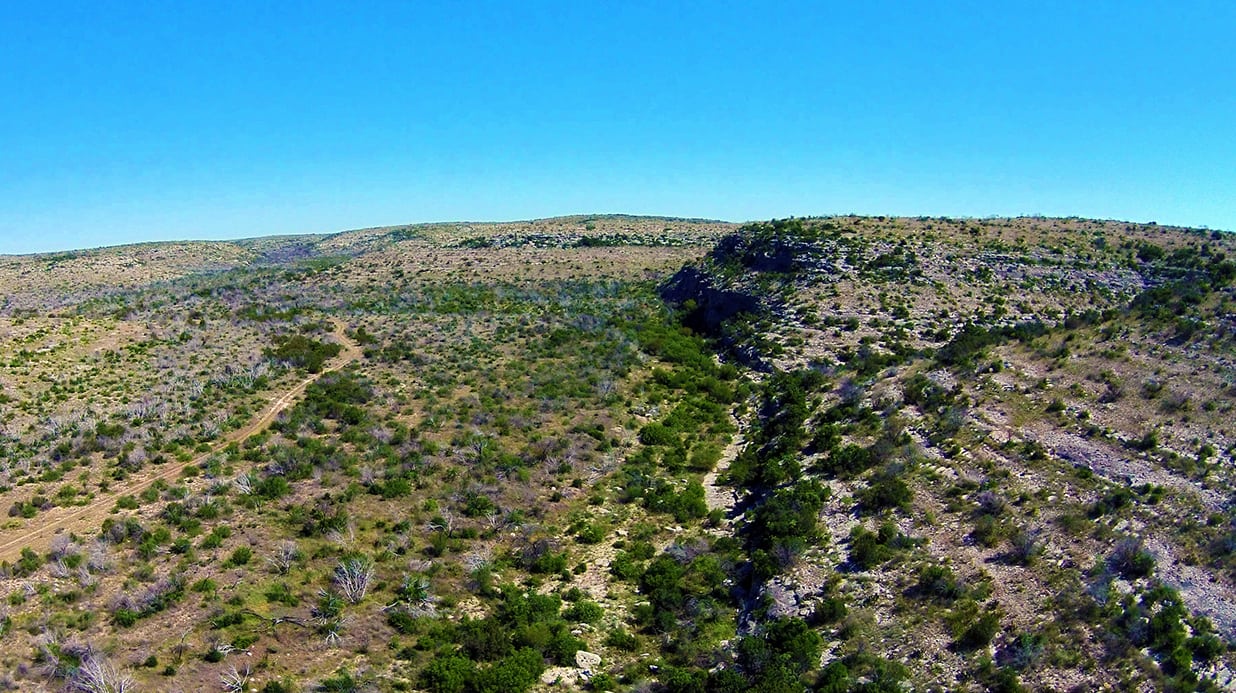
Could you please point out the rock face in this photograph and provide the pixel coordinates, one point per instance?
(708, 307)
(769, 255)
(735, 279)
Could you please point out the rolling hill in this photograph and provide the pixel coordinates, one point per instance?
(624, 453)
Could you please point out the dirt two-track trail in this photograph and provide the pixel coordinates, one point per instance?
(87, 518)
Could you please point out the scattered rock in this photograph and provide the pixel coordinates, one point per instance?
(562, 675)
(587, 661)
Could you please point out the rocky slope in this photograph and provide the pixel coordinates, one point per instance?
(624, 453)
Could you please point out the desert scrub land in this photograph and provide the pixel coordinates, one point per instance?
(623, 453)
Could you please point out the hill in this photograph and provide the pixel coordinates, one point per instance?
(623, 452)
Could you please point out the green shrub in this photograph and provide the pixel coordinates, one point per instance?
(657, 434)
(621, 640)
(280, 593)
(303, 352)
(794, 641)
(513, 674)
(847, 461)
(830, 610)
(704, 458)
(27, 563)
(125, 617)
(869, 549)
(981, 632)
(938, 582)
(584, 611)
(988, 531)
(1131, 560)
(590, 534)
(241, 556)
(886, 490)
(603, 682)
(484, 639)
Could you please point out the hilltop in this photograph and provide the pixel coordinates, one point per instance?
(611, 453)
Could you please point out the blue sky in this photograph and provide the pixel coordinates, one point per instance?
(128, 121)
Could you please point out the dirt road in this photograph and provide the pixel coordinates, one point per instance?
(86, 519)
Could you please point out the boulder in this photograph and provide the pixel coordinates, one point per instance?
(587, 661)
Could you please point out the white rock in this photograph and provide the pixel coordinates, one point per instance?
(588, 661)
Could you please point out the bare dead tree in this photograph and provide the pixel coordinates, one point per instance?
(443, 522)
(244, 484)
(182, 646)
(235, 681)
(97, 675)
(343, 538)
(97, 559)
(223, 648)
(352, 577)
(273, 622)
(284, 557)
(58, 569)
(60, 545)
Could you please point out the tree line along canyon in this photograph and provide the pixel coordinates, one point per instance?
(621, 453)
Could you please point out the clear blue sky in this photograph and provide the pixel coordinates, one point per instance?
(126, 121)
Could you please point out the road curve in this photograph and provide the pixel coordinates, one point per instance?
(87, 518)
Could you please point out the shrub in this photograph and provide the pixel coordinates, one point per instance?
(621, 640)
(657, 434)
(1112, 501)
(704, 458)
(830, 610)
(603, 682)
(562, 647)
(590, 534)
(484, 639)
(1025, 547)
(239, 557)
(403, 622)
(848, 461)
(28, 563)
(886, 490)
(687, 504)
(448, 674)
(981, 632)
(625, 566)
(869, 549)
(280, 593)
(1131, 560)
(513, 674)
(549, 563)
(938, 582)
(125, 617)
(988, 531)
(303, 352)
(795, 641)
(584, 611)
(1022, 651)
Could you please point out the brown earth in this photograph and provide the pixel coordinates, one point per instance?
(87, 518)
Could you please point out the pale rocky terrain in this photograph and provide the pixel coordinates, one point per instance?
(624, 453)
